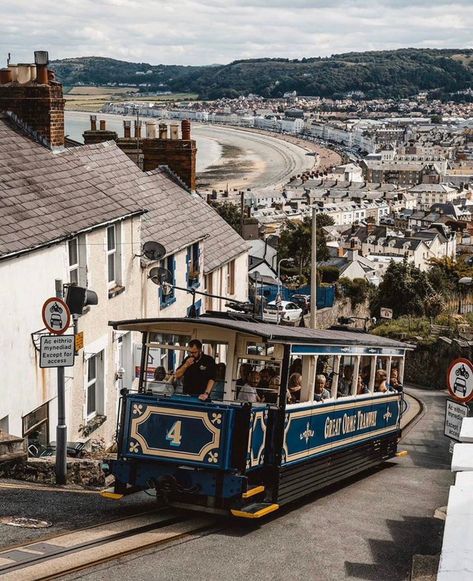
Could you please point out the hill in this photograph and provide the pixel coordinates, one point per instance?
(398, 73)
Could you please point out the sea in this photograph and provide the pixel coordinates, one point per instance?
(209, 150)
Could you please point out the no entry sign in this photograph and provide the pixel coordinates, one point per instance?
(460, 380)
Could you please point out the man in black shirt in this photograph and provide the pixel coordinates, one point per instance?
(198, 372)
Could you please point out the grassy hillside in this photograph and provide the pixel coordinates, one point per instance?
(398, 73)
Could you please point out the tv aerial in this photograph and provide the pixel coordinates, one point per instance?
(161, 277)
(153, 250)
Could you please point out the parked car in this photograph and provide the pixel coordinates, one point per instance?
(286, 313)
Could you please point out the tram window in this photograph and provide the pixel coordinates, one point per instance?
(258, 376)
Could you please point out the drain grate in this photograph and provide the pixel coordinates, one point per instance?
(27, 523)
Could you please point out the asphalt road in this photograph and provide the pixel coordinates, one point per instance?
(368, 528)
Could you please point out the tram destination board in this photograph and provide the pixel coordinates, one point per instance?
(57, 351)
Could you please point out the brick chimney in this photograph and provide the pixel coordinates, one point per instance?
(178, 154)
(35, 99)
(94, 135)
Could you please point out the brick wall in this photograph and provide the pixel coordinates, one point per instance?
(40, 107)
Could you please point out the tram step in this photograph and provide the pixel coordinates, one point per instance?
(255, 510)
(253, 491)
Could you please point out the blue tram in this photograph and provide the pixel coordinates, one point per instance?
(251, 457)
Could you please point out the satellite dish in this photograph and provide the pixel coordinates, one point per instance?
(160, 275)
(153, 250)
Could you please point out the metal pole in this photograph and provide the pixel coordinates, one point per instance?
(242, 207)
(61, 428)
(313, 278)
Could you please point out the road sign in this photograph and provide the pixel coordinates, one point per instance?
(386, 313)
(79, 340)
(454, 414)
(56, 351)
(460, 380)
(56, 315)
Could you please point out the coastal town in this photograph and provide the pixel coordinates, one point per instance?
(235, 306)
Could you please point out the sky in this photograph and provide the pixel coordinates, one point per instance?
(201, 32)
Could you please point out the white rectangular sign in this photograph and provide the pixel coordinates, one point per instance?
(386, 313)
(57, 351)
(454, 414)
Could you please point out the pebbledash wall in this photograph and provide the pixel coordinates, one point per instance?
(31, 277)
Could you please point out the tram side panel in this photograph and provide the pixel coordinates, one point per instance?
(327, 442)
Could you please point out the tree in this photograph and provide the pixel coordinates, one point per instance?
(296, 242)
(230, 213)
(404, 289)
(357, 290)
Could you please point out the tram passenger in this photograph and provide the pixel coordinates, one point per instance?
(245, 369)
(380, 381)
(361, 386)
(271, 396)
(344, 385)
(295, 386)
(296, 366)
(394, 383)
(320, 392)
(218, 391)
(198, 372)
(248, 392)
(265, 378)
(160, 373)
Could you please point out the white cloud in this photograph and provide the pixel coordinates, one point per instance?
(219, 31)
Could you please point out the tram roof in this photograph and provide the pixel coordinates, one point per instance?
(270, 332)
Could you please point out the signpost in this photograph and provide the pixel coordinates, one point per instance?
(460, 380)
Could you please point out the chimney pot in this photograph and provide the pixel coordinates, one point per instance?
(163, 131)
(150, 130)
(42, 74)
(93, 122)
(103, 125)
(5, 76)
(127, 129)
(51, 76)
(33, 72)
(14, 72)
(138, 129)
(41, 57)
(24, 73)
(174, 131)
(186, 129)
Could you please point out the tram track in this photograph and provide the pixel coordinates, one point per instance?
(68, 553)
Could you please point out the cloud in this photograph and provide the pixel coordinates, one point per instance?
(219, 31)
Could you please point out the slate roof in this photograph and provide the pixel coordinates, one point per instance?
(46, 197)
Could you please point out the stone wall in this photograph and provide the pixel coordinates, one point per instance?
(427, 365)
(81, 471)
(342, 308)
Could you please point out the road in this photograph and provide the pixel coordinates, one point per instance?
(368, 528)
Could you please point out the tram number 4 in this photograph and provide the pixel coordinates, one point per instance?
(174, 434)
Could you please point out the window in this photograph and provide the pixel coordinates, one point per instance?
(168, 298)
(209, 289)
(95, 385)
(193, 265)
(231, 278)
(77, 254)
(114, 255)
(73, 247)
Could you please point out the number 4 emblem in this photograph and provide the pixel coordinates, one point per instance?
(174, 435)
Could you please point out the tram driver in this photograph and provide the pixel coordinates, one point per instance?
(198, 372)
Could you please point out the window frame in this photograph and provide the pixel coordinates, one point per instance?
(99, 385)
(111, 253)
(73, 267)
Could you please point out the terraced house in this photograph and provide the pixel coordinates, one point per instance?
(80, 215)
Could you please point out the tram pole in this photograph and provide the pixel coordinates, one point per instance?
(313, 275)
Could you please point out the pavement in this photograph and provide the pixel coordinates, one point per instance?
(368, 527)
